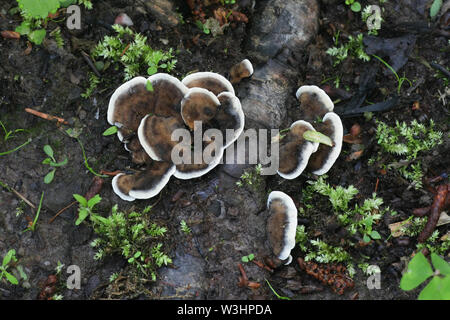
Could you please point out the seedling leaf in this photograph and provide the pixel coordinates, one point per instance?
(37, 36)
(418, 271)
(315, 136)
(110, 131)
(8, 257)
(11, 278)
(82, 215)
(39, 9)
(49, 151)
(82, 200)
(435, 7)
(93, 201)
(49, 176)
(59, 164)
(440, 264)
(375, 235)
(436, 289)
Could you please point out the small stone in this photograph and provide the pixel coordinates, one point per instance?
(124, 20)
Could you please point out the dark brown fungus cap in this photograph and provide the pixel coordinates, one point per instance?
(281, 224)
(314, 102)
(322, 160)
(295, 151)
(230, 116)
(195, 170)
(243, 69)
(208, 80)
(144, 184)
(155, 136)
(198, 105)
(132, 101)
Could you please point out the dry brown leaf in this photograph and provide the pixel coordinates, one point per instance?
(10, 34)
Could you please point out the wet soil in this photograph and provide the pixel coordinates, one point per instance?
(227, 221)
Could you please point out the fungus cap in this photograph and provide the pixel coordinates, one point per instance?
(155, 136)
(243, 69)
(192, 171)
(322, 160)
(295, 150)
(230, 116)
(198, 104)
(144, 184)
(314, 102)
(211, 81)
(281, 224)
(132, 101)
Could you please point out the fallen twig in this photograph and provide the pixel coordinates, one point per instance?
(262, 265)
(110, 173)
(28, 202)
(87, 58)
(45, 116)
(440, 68)
(435, 212)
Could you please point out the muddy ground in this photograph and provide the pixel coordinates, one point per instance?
(227, 221)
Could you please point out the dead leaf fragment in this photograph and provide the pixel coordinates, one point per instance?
(10, 34)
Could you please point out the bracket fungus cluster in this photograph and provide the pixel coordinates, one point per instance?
(300, 148)
(148, 112)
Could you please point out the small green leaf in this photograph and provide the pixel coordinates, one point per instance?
(82, 215)
(59, 164)
(82, 200)
(49, 176)
(22, 273)
(49, 151)
(151, 70)
(356, 7)
(435, 7)
(251, 256)
(11, 278)
(93, 201)
(39, 9)
(47, 161)
(8, 257)
(316, 136)
(418, 271)
(37, 36)
(366, 238)
(375, 235)
(24, 28)
(110, 131)
(245, 259)
(440, 264)
(436, 289)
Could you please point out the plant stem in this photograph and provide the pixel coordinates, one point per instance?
(15, 149)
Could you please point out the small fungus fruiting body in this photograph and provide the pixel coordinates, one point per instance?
(296, 152)
(322, 160)
(147, 116)
(243, 69)
(211, 81)
(281, 224)
(314, 102)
